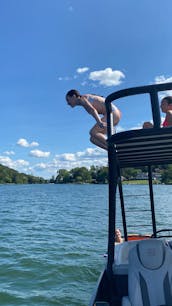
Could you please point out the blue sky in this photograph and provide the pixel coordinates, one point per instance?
(48, 47)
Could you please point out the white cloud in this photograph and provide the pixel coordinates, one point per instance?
(39, 153)
(9, 152)
(86, 158)
(6, 161)
(90, 152)
(24, 143)
(14, 164)
(107, 77)
(68, 157)
(82, 70)
(34, 144)
(41, 166)
(21, 163)
(162, 79)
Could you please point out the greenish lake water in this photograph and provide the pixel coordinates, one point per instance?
(53, 238)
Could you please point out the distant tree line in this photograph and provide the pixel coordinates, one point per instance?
(99, 175)
(94, 175)
(81, 175)
(11, 176)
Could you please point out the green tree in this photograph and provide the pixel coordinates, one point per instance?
(102, 175)
(80, 175)
(166, 177)
(63, 176)
(130, 173)
(8, 176)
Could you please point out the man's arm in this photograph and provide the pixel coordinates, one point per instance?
(91, 110)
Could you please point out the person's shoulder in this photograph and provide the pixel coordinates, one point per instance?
(168, 117)
(89, 96)
(94, 96)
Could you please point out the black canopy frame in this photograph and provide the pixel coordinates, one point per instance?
(134, 148)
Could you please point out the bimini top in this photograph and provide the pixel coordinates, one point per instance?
(141, 147)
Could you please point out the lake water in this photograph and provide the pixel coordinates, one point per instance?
(53, 238)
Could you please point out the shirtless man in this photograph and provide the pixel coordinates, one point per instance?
(95, 106)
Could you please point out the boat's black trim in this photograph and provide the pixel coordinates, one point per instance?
(152, 200)
(152, 90)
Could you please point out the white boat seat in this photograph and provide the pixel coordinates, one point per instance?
(121, 256)
(149, 274)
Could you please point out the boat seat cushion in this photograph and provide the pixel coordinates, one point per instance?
(149, 274)
(151, 254)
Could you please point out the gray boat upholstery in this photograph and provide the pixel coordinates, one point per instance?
(122, 250)
(149, 274)
(120, 267)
